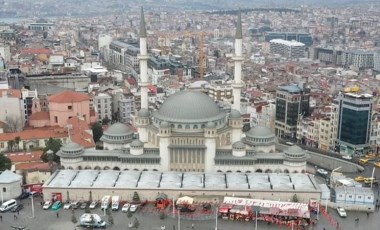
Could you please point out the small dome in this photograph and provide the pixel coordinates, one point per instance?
(295, 150)
(235, 114)
(164, 125)
(70, 149)
(71, 146)
(143, 113)
(295, 153)
(260, 132)
(210, 125)
(118, 129)
(238, 145)
(137, 143)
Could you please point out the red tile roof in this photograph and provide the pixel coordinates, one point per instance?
(34, 134)
(40, 166)
(37, 51)
(68, 97)
(22, 157)
(11, 92)
(80, 133)
(40, 116)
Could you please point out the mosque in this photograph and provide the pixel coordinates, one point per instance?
(188, 133)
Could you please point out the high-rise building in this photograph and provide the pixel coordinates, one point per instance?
(358, 59)
(376, 61)
(305, 38)
(354, 123)
(288, 49)
(291, 102)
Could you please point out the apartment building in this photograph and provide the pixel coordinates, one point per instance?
(358, 59)
(288, 49)
(126, 102)
(291, 101)
(103, 106)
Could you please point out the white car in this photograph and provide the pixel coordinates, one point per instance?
(322, 172)
(347, 157)
(125, 207)
(47, 204)
(67, 205)
(133, 208)
(341, 212)
(93, 204)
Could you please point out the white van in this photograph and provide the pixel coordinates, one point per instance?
(115, 203)
(8, 205)
(105, 202)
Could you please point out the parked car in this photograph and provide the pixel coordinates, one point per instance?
(322, 172)
(93, 204)
(24, 195)
(347, 157)
(341, 212)
(369, 181)
(133, 208)
(363, 161)
(47, 205)
(56, 206)
(17, 208)
(360, 179)
(125, 207)
(67, 205)
(75, 204)
(83, 205)
(377, 164)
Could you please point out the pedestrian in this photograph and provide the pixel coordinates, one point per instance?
(192, 226)
(57, 215)
(337, 225)
(18, 212)
(1, 218)
(14, 217)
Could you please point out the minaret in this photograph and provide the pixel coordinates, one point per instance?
(143, 57)
(238, 59)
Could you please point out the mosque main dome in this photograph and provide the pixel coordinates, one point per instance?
(189, 107)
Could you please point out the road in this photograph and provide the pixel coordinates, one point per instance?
(47, 220)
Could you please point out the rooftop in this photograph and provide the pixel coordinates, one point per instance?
(179, 180)
(68, 97)
(287, 43)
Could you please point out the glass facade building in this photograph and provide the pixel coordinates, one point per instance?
(354, 125)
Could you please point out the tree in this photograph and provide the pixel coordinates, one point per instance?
(136, 198)
(17, 142)
(162, 215)
(11, 143)
(12, 124)
(5, 163)
(129, 214)
(97, 131)
(136, 223)
(73, 218)
(216, 53)
(110, 218)
(105, 121)
(53, 145)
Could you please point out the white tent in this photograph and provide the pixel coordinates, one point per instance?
(185, 200)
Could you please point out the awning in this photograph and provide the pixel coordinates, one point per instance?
(185, 200)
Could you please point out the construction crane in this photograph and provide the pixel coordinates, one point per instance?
(164, 38)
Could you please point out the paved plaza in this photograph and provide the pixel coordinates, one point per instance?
(48, 220)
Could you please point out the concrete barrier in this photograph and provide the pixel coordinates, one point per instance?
(330, 163)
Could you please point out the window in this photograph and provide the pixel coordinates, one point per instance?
(70, 107)
(55, 119)
(4, 189)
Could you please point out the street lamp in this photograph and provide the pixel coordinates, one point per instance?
(256, 209)
(32, 197)
(332, 172)
(216, 218)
